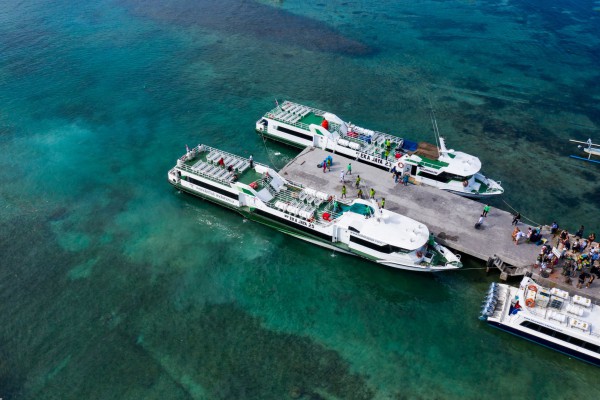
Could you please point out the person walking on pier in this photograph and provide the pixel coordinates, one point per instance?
(479, 222)
(486, 210)
(359, 194)
(382, 203)
(343, 191)
(349, 169)
(342, 176)
(405, 179)
(357, 181)
(579, 233)
(516, 219)
(251, 161)
(372, 193)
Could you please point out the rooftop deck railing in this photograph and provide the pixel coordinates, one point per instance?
(207, 149)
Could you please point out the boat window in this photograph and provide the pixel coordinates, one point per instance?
(546, 331)
(576, 342)
(444, 177)
(353, 229)
(529, 325)
(561, 336)
(213, 188)
(384, 248)
(591, 347)
(294, 133)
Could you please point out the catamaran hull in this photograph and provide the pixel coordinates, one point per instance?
(292, 231)
(547, 343)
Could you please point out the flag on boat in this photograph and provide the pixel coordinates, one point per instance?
(187, 149)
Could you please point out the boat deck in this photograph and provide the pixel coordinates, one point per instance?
(372, 142)
(312, 118)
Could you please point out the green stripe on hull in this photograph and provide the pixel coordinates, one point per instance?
(211, 199)
(246, 212)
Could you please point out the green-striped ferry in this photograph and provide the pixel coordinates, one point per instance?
(357, 227)
(423, 163)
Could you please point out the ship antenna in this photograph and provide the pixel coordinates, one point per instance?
(436, 131)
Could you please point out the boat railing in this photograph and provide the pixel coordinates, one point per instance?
(204, 175)
(295, 184)
(207, 149)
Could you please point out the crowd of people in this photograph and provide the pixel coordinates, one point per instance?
(579, 255)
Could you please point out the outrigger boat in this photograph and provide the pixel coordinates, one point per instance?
(547, 316)
(357, 227)
(592, 149)
(424, 163)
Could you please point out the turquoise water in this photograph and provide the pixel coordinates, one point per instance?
(112, 285)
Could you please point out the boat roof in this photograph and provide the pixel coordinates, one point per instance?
(386, 226)
(590, 314)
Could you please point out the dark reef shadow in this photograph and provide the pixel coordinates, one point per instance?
(254, 19)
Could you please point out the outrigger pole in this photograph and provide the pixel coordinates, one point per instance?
(591, 151)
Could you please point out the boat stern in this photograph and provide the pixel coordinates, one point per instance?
(441, 258)
(261, 125)
(490, 302)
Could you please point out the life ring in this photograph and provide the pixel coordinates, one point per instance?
(400, 165)
(530, 303)
(419, 254)
(533, 288)
(465, 183)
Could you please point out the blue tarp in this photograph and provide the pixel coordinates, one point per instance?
(409, 145)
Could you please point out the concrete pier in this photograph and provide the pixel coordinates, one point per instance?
(450, 217)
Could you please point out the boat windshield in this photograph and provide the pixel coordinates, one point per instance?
(361, 209)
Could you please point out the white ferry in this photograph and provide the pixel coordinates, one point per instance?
(424, 163)
(355, 227)
(550, 317)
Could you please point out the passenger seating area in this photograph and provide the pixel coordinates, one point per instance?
(311, 196)
(291, 113)
(214, 170)
(297, 208)
(303, 205)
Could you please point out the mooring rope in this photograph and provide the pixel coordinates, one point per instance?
(267, 150)
(522, 216)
